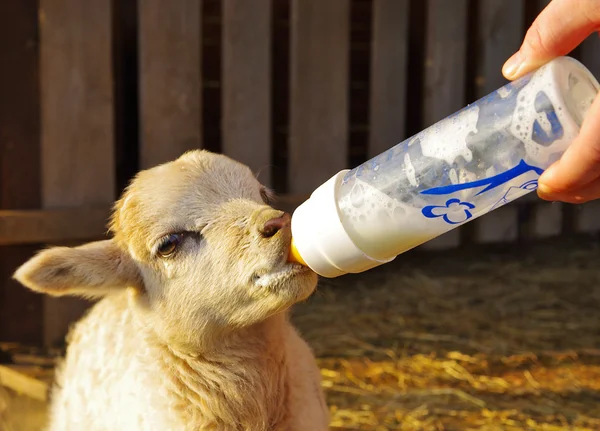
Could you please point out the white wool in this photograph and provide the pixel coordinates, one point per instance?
(117, 377)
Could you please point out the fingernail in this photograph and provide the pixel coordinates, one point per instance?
(512, 65)
(545, 193)
(543, 189)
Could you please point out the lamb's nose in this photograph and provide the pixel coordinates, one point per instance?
(271, 227)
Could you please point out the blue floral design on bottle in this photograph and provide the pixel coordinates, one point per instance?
(464, 213)
(454, 212)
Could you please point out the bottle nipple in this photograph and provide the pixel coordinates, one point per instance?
(294, 256)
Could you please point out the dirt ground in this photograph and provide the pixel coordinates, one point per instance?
(488, 338)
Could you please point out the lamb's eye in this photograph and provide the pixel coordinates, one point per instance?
(265, 195)
(169, 244)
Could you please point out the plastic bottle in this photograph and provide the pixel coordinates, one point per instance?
(466, 165)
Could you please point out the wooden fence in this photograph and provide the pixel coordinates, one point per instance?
(297, 89)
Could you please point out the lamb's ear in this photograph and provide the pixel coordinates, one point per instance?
(91, 270)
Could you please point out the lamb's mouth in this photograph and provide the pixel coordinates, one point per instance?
(278, 275)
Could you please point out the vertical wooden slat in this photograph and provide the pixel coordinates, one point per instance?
(388, 75)
(501, 225)
(20, 309)
(78, 165)
(547, 219)
(319, 92)
(587, 216)
(500, 25)
(170, 79)
(445, 60)
(246, 81)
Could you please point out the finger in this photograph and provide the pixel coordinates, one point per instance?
(585, 194)
(580, 163)
(557, 30)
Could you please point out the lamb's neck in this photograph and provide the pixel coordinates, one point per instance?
(239, 384)
(260, 341)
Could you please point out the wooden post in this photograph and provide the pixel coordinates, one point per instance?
(500, 35)
(170, 79)
(319, 92)
(20, 309)
(246, 74)
(445, 60)
(77, 121)
(388, 75)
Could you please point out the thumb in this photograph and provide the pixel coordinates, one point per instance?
(557, 30)
(580, 163)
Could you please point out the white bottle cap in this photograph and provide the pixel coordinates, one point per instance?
(320, 237)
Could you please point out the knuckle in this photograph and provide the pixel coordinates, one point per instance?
(591, 11)
(592, 152)
(535, 40)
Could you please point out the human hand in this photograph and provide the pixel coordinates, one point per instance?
(557, 30)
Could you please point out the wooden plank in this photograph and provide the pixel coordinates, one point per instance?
(19, 115)
(445, 61)
(19, 159)
(497, 226)
(319, 92)
(587, 216)
(500, 32)
(77, 103)
(547, 219)
(53, 226)
(246, 121)
(170, 79)
(15, 378)
(500, 35)
(78, 166)
(388, 75)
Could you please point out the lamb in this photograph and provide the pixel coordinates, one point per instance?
(191, 330)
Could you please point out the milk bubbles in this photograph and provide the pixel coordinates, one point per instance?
(378, 223)
(449, 141)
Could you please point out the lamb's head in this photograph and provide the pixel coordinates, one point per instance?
(196, 244)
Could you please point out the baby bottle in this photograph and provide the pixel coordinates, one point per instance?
(487, 154)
